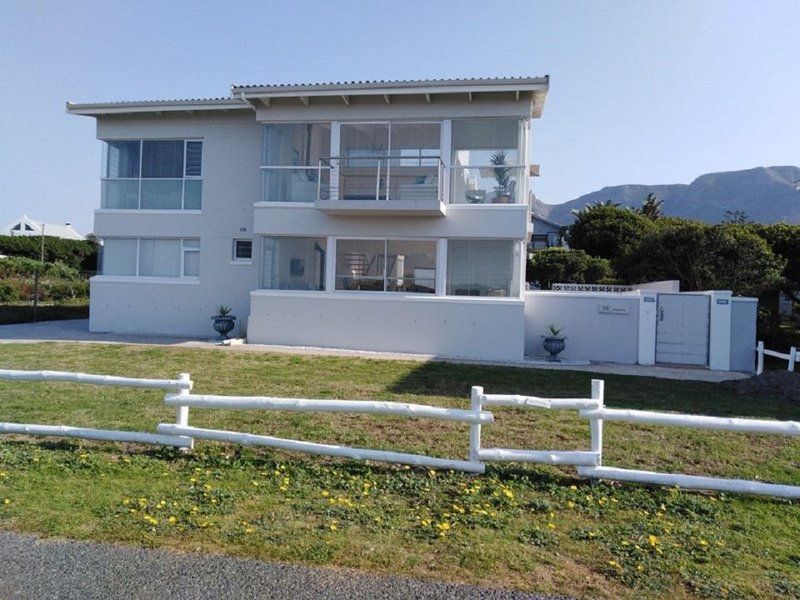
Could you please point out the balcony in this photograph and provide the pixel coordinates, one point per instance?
(382, 185)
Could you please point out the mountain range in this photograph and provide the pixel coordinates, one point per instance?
(764, 194)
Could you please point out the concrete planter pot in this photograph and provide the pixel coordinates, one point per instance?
(554, 345)
(223, 325)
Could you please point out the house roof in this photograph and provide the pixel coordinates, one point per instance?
(536, 217)
(65, 231)
(533, 89)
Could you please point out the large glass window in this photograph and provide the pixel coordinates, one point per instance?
(386, 265)
(152, 174)
(151, 257)
(486, 161)
(119, 256)
(388, 161)
(290, 161)
(293, 263)
(483, 268)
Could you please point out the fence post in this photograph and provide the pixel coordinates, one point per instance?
(792, 357)
(475, 428)
(596, 425)
(760, 358)
(183, 411)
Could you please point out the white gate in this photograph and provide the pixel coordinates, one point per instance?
(682, 329)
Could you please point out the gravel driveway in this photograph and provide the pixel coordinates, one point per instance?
(34, 568)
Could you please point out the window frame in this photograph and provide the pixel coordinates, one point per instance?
(242, 261)
(386, 277)
(183, 179)
(183, 250)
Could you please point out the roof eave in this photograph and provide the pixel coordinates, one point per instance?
(120, 108)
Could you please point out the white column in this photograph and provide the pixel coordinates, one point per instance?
(441, 267)
(719, 336)
(330, 265)
(596, 425)
(335, 151)
(445, 153)
(648, 311)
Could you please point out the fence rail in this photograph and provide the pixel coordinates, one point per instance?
(183, 384)
(793, 357)
(589, 462)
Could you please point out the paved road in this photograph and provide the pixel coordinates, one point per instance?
(36, 568)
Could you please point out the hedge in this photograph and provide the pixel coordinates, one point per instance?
(78, 254)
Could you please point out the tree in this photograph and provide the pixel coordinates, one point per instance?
(736, 217)
(704, 257)
(608, 231)
(560, 265)
(784, 241)
(651, 207)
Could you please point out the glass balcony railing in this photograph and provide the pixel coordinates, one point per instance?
(383, 178)
(151, 194)
(486, 184)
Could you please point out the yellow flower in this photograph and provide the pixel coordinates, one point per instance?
(613, 563)
(6, 500)
(551, 525)
(703, 543)
(333, 527)
(573, 487)
(653, 540)
(172, 520)
(640, 567)
(326, 493)
(570, 504)
(249, 530)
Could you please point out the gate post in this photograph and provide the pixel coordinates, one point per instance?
(596, 425)
(182, 417)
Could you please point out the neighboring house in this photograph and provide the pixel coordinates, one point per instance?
(387, 216)
(24, 225)
(546, 233)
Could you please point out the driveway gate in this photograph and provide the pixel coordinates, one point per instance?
(682, 329)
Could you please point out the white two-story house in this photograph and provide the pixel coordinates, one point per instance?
(387, 216)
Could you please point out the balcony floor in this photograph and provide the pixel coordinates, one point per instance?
(407, 208)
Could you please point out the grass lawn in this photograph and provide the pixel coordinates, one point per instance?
(534, 528)
(23, 313)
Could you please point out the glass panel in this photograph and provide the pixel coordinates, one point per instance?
(482, 268)
(119, 193)
(118, 256)
(485, 185)
(411, 266)
(476, 141)
(193, 194)
(162, 158)
(360, 264)
(194, 159)
(293, 185)
(295, 144)
(163, 193)
(121, 159)
(243, 250)
(415, 144)
(191, 263)
(159, 258)
(293, 263)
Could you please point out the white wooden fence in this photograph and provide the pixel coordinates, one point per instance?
(589, 463)
(793, 357)
(183, 383)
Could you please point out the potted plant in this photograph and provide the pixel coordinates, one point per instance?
(502, 175)
(554, 342)
(223, 321)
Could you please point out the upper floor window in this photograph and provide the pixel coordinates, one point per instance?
(487, 166)
(290, 161)
(151, 257)
(152, 174)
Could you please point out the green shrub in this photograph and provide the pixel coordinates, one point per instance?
(19, 266)
(78, 254)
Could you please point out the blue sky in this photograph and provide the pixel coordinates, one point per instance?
(641, 92)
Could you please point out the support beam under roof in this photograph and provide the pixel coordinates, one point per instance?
(346, 100)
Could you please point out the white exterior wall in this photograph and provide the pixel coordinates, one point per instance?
(441, 326)
(231, 185)
(591, 334)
